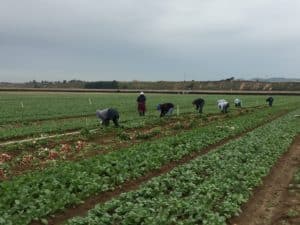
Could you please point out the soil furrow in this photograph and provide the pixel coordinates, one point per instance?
(267, 202)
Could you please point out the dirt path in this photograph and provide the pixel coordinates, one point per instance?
(266, 205)
(81, 210)
(288, 211)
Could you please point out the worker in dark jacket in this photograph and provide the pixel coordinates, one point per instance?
(199, 103)
(237, 102)
(106, 115)
(165, 109)
(270, 101)
(141, 100)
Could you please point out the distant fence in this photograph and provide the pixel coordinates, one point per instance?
(227, 92)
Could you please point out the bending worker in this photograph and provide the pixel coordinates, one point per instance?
(270, 101)
(237, 102)
(199, 103)
(223, 105)
(106, 115)
(165, 109)
(141, 100)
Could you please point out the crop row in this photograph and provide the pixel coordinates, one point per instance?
(208, 190)
(67, 105)
(35, 129)
(37, 194)
(38, 106)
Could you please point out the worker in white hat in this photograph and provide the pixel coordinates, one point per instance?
(141, 101)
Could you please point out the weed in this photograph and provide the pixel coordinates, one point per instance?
(292, 213)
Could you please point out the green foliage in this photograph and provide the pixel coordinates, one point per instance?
(41, 193)
(178, 126)
(297, 177)
(60, 112)
(208, 190)
(123, 136)
(292, 213)
(85, 132)
(148, 135)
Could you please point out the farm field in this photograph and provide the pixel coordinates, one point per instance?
(183, 169)
(33, 114)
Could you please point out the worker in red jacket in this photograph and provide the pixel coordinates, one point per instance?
(141, 101)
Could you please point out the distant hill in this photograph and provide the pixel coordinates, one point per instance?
(228, 84)
(277, 79)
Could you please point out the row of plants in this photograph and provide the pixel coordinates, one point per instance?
(128, 119)
(25, 107)
(39, 106)
(142, 129)
(209, 190)
(21, 158)
(34, 195)
(44, 128)
(36, 129)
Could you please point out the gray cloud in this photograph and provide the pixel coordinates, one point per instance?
(148, 40)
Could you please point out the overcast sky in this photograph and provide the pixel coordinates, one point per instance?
(148, 39)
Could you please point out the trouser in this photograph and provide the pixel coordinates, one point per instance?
(170, 111)
(225, 108)
(115, 120)
(165, 112)
(200, 108)
(141, 108)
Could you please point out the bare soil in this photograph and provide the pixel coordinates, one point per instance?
(274, 203)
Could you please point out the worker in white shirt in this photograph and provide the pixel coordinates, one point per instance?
(223, 105)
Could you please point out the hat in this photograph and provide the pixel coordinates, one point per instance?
(141, 93)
